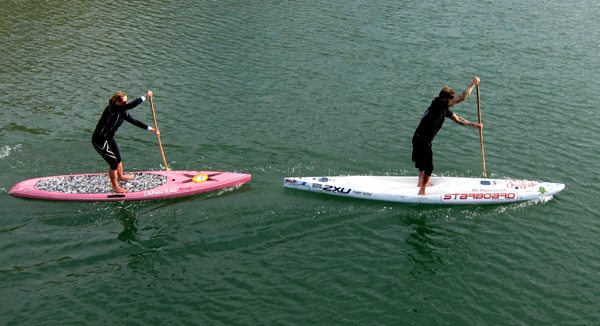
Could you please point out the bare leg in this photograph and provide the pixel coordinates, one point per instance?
(114, 181)
(120, 173)
(424, 184)
(421, 176)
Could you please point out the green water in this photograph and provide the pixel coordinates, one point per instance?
(299, 88)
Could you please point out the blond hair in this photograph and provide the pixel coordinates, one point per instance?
(118, 95)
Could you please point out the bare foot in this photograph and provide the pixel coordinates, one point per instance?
(126, 177)
(119, 190)
(429, 184)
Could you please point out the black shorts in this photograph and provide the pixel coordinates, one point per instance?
(109, 150)
(422, 155)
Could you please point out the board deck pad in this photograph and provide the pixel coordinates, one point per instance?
(99, 183)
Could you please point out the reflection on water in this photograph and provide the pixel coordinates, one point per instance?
(426, 248)
(129, 220)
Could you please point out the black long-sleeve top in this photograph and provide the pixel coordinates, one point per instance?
(112, 118)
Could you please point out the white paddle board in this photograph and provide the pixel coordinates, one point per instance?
(443, 190)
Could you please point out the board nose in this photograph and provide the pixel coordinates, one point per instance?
(552, 188)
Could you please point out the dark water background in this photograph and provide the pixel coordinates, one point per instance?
(298, 88)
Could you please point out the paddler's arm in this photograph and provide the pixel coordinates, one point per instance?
(134, 103)
(122, 108)
(463, 96)
(462, 121)
(127, 117)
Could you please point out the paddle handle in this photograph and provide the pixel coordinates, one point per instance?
(162, 153)
(481, 132)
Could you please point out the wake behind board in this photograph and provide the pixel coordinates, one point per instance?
(144, 186)
(443, 190)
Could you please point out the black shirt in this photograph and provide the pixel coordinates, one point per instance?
(433, 119)
(112, 118)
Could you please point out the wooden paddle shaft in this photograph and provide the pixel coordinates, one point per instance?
(162, 153)
(481, 133)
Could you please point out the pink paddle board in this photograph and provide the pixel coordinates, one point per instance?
(146, 185)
